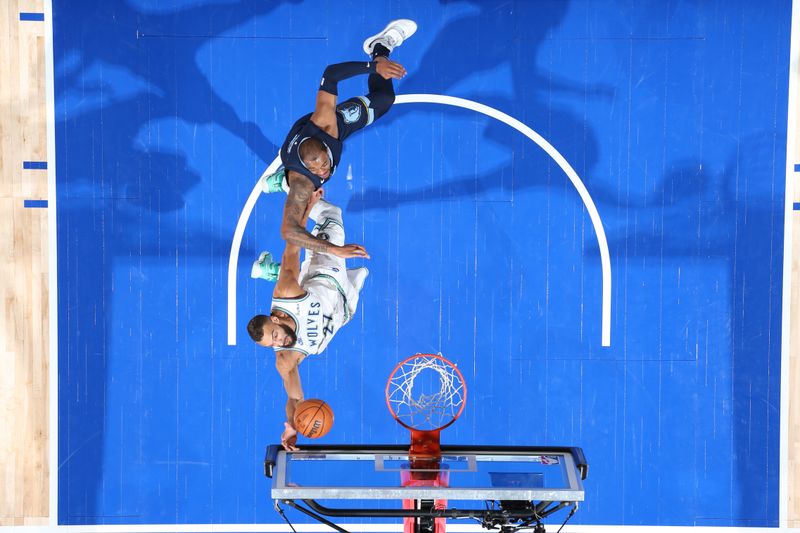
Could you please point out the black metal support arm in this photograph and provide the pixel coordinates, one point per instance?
(482, 514)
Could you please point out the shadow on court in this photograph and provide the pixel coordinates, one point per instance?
(520, 84)
(128, 85)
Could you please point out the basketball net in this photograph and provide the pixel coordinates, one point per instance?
(425, 393)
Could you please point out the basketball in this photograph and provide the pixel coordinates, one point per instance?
(313, 418)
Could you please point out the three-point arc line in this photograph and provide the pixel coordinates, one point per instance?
(605, 256)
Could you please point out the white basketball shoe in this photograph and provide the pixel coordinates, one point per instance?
(392, 35)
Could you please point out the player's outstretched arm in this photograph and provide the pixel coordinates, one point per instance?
(288, 285)
(287, 362)
(293, 228)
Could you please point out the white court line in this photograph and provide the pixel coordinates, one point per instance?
(605, 259)
(52, 260)
(233, 259)
(792, 157)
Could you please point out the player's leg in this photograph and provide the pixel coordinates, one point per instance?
(381, 91)
(328, 222)
(380, 45)
(356, 113)
(352, 289)
(328, 226)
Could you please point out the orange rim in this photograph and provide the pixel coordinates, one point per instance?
(448, 363)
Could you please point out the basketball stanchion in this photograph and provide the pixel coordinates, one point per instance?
(425, 393)
(507, 488)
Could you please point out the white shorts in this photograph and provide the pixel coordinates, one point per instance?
(316, 265)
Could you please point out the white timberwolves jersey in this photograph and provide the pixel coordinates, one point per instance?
(317, 316)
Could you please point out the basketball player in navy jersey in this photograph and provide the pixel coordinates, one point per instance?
(313, 147)
(310, 303)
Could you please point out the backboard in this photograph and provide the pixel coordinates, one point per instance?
(524, 484)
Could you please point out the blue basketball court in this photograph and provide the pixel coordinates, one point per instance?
(580, 203)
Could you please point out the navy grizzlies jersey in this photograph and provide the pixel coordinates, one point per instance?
(302, 130)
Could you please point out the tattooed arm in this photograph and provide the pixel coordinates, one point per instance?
(293, 228)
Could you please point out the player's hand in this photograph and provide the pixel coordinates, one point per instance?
(313, 199)
(349, 251)
(289, 438)
(389, 69)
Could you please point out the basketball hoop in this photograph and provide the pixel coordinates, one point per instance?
(425, 393)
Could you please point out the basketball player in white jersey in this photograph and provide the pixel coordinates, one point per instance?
(310, 303)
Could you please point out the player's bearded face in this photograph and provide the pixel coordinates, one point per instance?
(278, 335)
